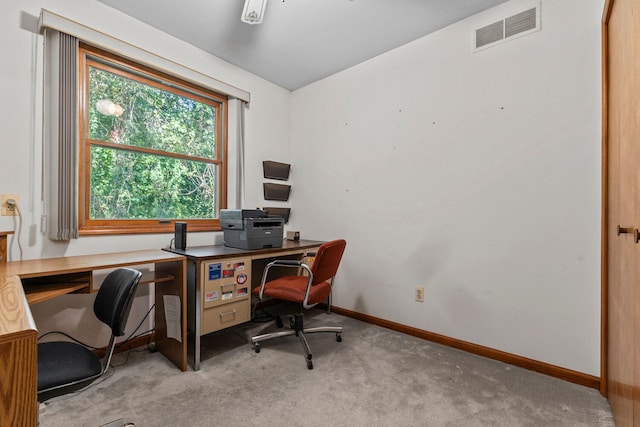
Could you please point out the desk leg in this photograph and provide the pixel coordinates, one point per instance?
(198, 328)
(194, 301)
(172, 349)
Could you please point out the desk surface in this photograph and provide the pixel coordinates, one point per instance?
(220, 251)
(74, 264)
(15, 317)
(47, 278)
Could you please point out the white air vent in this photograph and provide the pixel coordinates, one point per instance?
(489, 34)
(523, 21)
(517, 25)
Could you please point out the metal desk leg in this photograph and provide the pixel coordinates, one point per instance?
(194, 302)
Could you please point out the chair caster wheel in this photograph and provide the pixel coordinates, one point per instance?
(278, 321)
(338, 337)
(309, 364)
(256, 348)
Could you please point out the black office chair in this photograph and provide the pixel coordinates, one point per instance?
(305, 290)
(64, 366)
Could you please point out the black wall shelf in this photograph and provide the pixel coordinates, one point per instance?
(276, 170)
(276, 191)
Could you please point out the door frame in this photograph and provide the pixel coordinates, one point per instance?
(604, 270)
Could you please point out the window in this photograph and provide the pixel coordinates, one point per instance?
(152, 149)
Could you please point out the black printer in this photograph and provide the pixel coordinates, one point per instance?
(251, 229)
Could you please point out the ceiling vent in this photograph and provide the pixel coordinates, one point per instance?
(514, 26)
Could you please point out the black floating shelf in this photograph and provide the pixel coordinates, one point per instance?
(276, 170)
(276, 191)
(281, 212)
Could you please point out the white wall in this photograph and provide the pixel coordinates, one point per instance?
(267, 137)
(475, 175)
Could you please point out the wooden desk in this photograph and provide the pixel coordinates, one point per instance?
(3, 246)
(47, 278)
(18, 357)
(219, 284)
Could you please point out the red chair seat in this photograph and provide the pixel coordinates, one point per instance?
(292, 288)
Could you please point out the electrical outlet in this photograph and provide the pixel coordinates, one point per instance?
(8, 210)
(420, 293)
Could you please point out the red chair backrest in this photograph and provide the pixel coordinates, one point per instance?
(327, 260)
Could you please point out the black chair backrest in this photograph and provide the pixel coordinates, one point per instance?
(327, 260)
(115, 297)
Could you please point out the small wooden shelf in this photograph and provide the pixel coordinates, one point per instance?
(155, 277)
(43, 292)
(37, 290)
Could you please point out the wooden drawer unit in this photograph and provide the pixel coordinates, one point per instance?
(223, 316)
(226, 290)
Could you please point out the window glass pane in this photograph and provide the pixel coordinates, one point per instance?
(127, 111)
(134, 185)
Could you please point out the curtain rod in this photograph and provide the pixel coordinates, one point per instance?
(58, 22)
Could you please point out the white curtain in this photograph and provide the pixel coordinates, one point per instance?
(235, 157)
(60, 135)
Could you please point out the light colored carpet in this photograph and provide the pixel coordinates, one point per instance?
(374, 377)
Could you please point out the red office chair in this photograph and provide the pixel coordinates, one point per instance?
(306, 290)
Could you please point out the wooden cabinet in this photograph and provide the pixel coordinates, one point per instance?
(18, 357)
(621, 210)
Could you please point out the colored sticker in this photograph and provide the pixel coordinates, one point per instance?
(241, 279)
(227, 273)
(238, 266)
(211, 296)
(214, 271)
(241, 292)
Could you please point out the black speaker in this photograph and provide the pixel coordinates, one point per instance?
(181, 235)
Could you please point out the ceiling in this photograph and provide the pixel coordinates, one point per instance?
(300, 41)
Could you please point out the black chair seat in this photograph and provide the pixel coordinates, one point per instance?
(66, 367)
(63, 362)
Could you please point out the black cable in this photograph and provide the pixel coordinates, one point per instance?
(279, 307)
(140, 324)
(265, 317)
(148, 331)
(96, 348)
(68, 336)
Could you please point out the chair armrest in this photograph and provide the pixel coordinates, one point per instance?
(285, 263)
